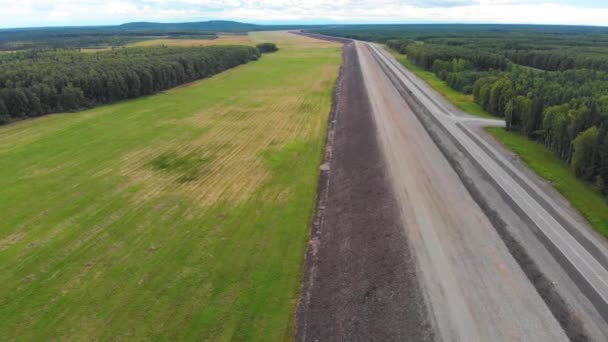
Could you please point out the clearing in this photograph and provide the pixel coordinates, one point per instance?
(183, 215)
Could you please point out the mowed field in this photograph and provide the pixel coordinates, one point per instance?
(220, 40)
(183, 215)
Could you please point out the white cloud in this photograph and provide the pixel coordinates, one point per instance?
(80, 12)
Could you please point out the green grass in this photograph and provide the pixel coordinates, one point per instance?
(583, 196)
(458, 99)
(179, 216)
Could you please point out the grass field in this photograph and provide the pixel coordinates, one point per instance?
(183, 215)
(540, 159)
(220, 40)
(458, 99)
(226, 39)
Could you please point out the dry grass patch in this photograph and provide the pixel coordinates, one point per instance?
(220, 40)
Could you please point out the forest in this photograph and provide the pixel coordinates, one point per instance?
(550, 83)
(76, 39)
(37, 82)
(99, 36)
(121, 35)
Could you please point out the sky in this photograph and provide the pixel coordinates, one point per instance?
(34, 13)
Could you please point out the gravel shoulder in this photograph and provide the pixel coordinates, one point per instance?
(360, 276)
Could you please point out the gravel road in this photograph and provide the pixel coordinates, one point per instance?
(473, 285)
(428, 230)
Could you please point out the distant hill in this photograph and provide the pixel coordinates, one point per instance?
(120, 35)
(205, 26)
(212, 25)
(209, 26)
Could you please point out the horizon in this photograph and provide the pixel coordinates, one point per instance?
(298, 23)
(62, 13)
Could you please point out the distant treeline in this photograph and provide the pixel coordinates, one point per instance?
(34, 83)
(549, 82)
(86, 38)
(119, 35)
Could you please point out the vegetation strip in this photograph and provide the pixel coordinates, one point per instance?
(582, 195)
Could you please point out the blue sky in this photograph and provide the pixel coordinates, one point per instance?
(26, 13)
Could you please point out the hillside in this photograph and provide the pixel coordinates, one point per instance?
(212, 25)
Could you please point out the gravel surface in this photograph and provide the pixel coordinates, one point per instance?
(360, 279)
(420, 232)
(474, 286)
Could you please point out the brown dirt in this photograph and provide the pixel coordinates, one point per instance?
(360, 278)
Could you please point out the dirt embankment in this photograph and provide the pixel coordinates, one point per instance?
(360, 278)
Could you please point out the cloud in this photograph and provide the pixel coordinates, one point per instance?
(444, 3)
(94, 12)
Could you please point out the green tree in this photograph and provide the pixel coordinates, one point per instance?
(4, 117)
(524, 117)
(267, 47)
(582, 158)
(511, 117)
(16, 102)
(602, 177)
(72, 98)
(555, 125)
(500, 94)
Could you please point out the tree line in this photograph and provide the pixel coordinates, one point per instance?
(73, 38)
(566, 110)
(400, 45)
(549, 83)
(559, 60)
(34, 83)
(425, 56)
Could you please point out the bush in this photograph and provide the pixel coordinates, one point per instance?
(267, 47)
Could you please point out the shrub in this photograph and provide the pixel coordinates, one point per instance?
(267, 47)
